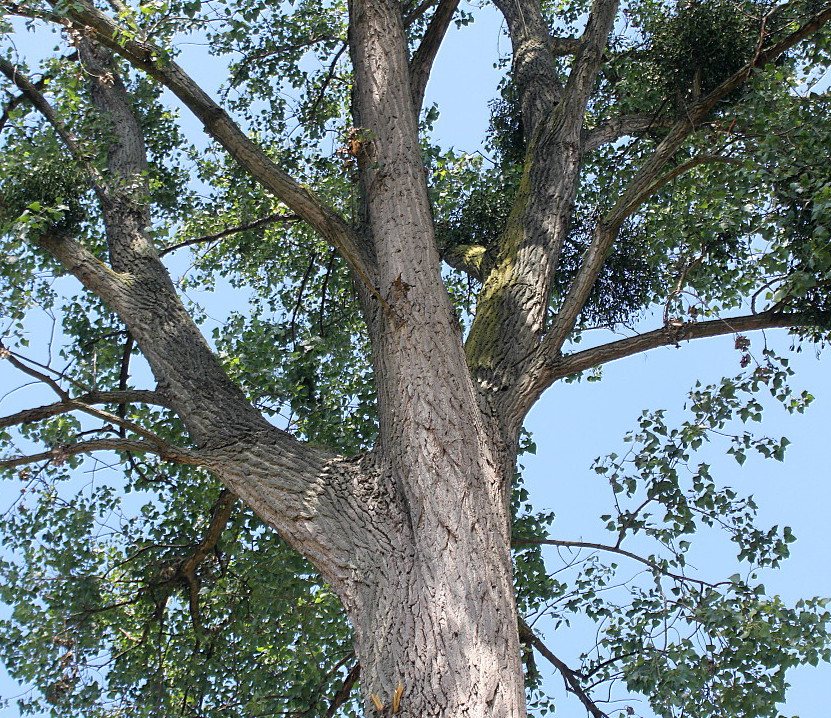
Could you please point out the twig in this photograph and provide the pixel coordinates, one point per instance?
(276, 217)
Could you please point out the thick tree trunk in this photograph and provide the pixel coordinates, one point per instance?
(433, 606)
(436, 616)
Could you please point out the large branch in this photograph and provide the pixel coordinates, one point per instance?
(91, 271)
(40, 413)
(534, 68)
(621, 127)
(267, 468)
(512, 308)
(60, 453)
(589, 58)
(142, 292)
(301, 490)
(646, 181)
(423, 57)
(557, 367)
(472, 259)
(217, 123)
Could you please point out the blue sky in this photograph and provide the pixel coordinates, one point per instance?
(575, 423)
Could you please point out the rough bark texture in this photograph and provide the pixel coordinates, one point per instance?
(448, 633)
(415, 535)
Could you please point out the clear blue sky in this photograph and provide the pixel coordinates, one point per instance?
(574, 424)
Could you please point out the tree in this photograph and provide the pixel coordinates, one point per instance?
(407, 306)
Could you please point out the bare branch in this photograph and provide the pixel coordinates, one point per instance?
(343, 692)
(59, 454)
(97, 397)
(570, 676)
(119, 421)
(270, 219)
(17, 363)
(424, 56)
(544, 370)
(612, 549)
(570, 364)
(621, 127)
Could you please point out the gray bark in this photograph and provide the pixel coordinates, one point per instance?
(442, 628)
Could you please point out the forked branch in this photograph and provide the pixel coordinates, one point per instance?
(647, 180)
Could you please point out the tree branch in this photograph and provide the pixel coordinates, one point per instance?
(423, 57)
(621, 127)
(561, 366)
(643, 184)
(612, 549)
(678, 170)
(59, 454)
(412, 15)
(472, 259)
(32, 372)
(534, 67)
(343, 692)
(142, 293)
(156, 62)
(119, 421)
(589, 57)
(22, 98)
(220, 515)
(40, 413)
(73, 143)
(87, 268)
(269, 219)
(570, 677)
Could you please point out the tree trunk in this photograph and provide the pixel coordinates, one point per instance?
(432, 606)
(435, 615)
